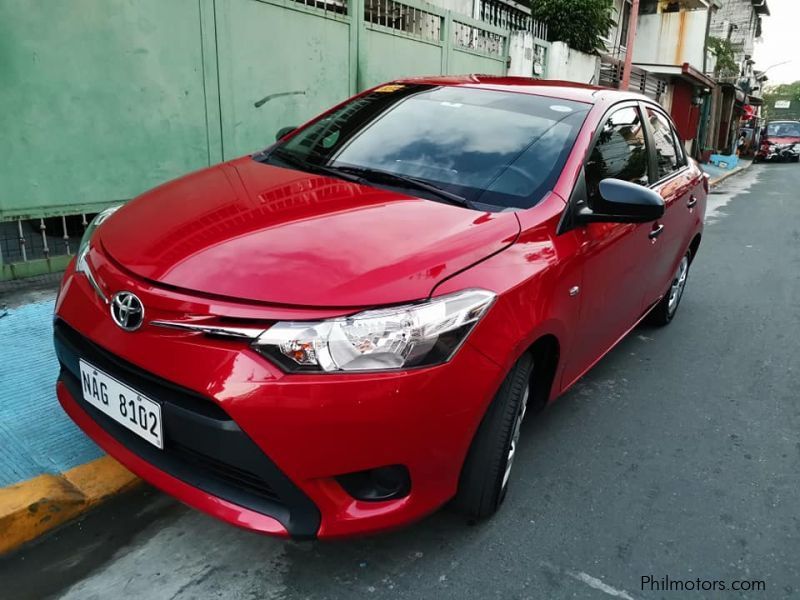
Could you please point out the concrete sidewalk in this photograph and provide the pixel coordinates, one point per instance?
(718, 175)
(49, 470)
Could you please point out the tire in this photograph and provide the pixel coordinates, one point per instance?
(795, 159)
(663, 312)
(484, 476)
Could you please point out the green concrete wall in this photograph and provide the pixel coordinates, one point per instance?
(306, 55)
(98, 100)
(378, 44)
(101, 100)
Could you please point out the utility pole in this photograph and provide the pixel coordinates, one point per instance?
(632, 21)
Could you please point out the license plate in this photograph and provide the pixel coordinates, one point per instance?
(122, 403)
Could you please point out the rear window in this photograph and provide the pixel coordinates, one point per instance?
(668, 150)
(497, 149)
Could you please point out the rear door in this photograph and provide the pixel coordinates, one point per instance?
(677, 183)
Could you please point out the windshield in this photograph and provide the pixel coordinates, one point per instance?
(785, 129)
(494, 149)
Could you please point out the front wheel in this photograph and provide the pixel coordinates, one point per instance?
(664, 311)
(485, 475)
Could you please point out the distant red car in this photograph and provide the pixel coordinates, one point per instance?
(343, 332)
(780, 140)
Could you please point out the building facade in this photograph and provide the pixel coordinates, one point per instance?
(671, 42)
(739, 22)
(739, 96)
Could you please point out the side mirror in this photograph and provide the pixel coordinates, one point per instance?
(284, 131)
(623, 202)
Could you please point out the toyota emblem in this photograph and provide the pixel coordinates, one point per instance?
(127, 311)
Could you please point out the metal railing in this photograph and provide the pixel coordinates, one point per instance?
(474, 38)
(25, 240)
(641, 80)
(507, 14)
(411, 20)
(338, 7)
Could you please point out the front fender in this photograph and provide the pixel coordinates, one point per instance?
(532, 279)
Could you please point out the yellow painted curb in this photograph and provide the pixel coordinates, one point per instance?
(30, 508)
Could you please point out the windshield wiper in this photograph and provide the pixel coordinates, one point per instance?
(297, 162)
(378, 176)
(365, 175)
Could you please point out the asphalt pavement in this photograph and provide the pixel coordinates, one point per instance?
(677, 456)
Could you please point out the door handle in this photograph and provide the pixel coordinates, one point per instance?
(692, 201)
(656, 231)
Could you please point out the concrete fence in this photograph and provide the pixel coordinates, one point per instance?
(568, 64)
(101, 103)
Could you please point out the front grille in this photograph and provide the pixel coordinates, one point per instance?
(203, 445)
(152, 386)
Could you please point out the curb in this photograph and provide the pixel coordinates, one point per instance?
(721, 178)
(33, 507)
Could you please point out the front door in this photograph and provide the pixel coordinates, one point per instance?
(614, 273)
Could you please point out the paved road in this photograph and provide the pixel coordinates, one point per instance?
(678, 456)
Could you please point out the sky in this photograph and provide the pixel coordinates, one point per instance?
(780, 33)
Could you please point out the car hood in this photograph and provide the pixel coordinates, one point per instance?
(252, 231)
(780, 141)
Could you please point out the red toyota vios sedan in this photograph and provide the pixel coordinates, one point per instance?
(343, 332)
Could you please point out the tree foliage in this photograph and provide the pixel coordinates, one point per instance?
(784, 91)
(581, 24)
(726, 57)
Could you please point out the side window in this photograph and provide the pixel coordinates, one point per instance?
(669, 155)
(619, 152)
(682, 162)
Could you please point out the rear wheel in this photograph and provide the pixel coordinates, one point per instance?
(664, 311)
(487, 469)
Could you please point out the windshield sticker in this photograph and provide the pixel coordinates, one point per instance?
(452, 104)
(387, 89)
(560, 108)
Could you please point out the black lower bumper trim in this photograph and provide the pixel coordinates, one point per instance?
(203, 446)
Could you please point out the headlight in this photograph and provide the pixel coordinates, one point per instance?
(81, 264)
(83, 247)
(400, 337)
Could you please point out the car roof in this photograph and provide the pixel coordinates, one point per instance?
(566, 90)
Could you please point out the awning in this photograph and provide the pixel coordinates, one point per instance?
(761, 7)
(738, 93)
(685, 72)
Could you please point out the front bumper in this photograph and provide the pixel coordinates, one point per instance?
(262, 449)
(207, 448)
(778, 151)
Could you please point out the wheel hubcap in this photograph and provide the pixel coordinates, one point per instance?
(523, 406)
(678, 285)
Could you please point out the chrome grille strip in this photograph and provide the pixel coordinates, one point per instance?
(241, 333)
